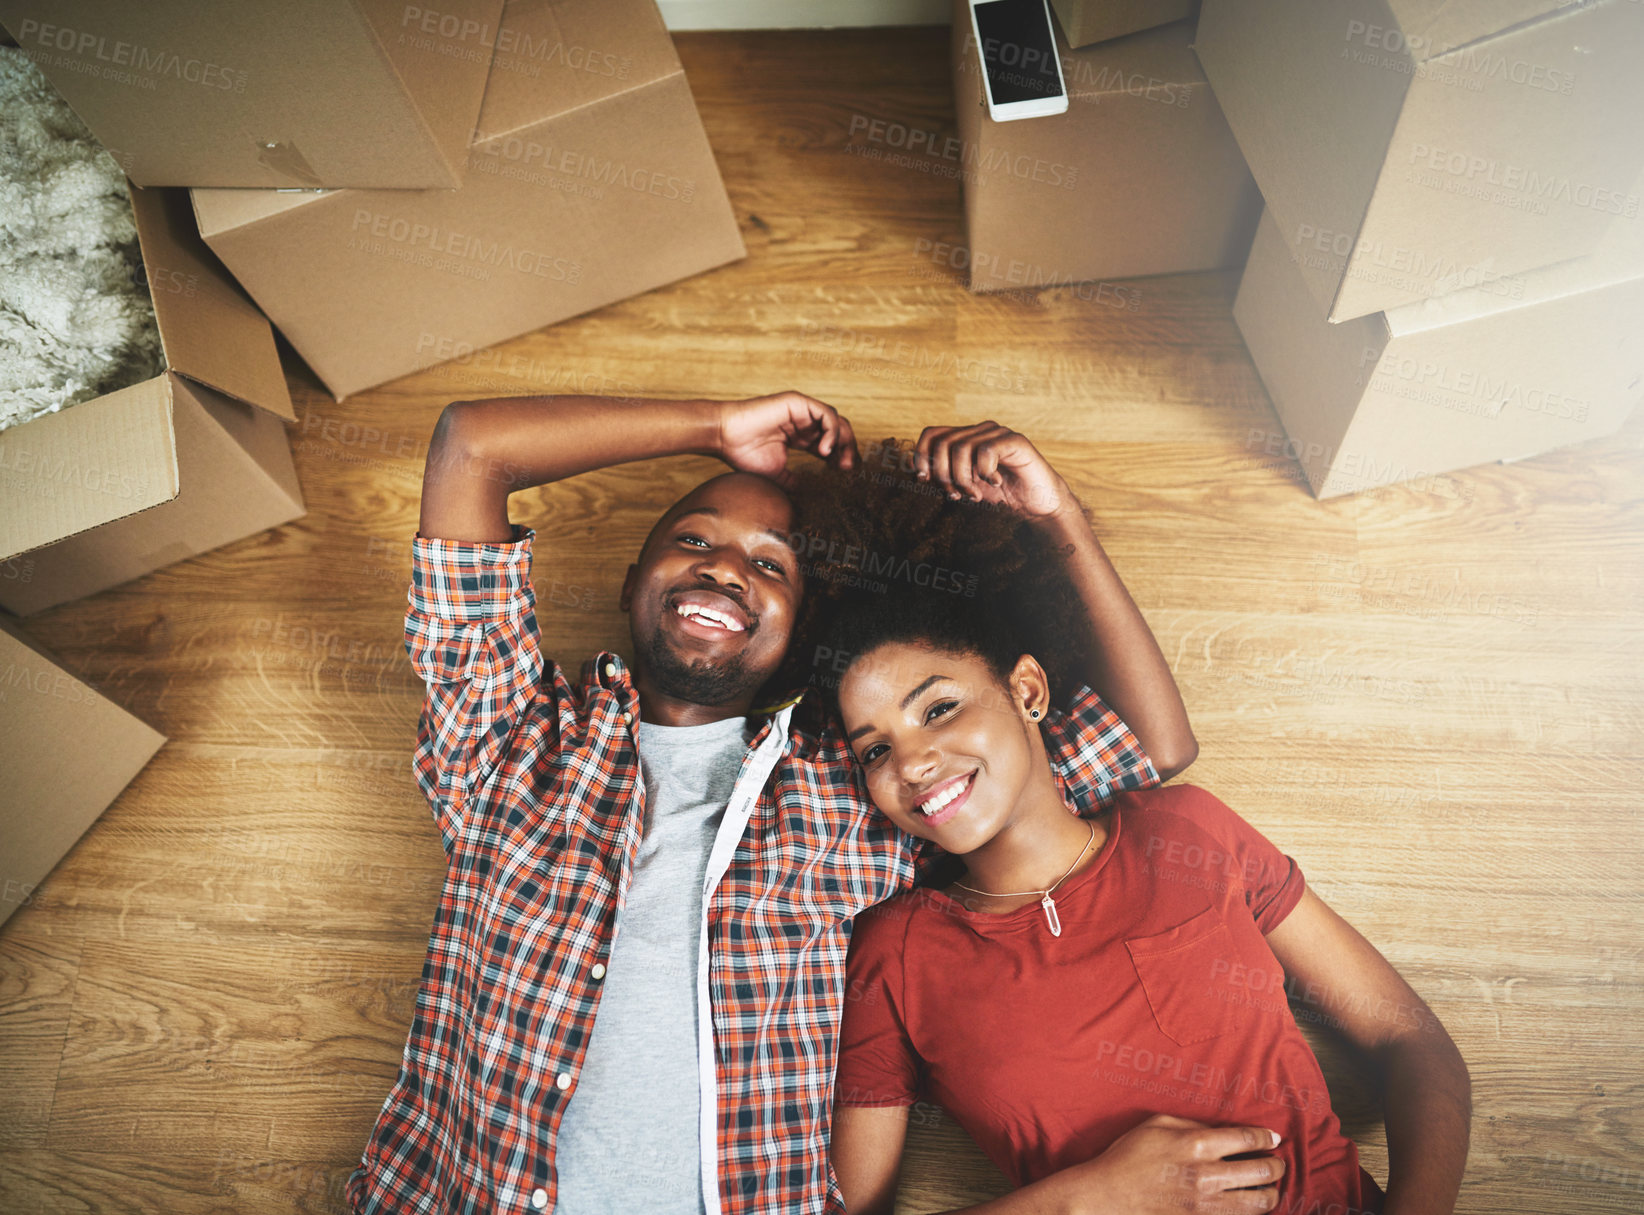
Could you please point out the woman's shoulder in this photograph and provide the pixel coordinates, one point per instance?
(1182, 804)
(1162, 821)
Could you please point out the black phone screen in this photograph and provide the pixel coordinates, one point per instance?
(1018, 50)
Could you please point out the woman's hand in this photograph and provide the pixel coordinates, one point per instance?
(991, 463)
(1168, 1165)
(755, 434)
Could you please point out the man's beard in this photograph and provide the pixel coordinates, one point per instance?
(702, 682)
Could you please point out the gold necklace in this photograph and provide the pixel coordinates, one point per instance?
(1048, 903)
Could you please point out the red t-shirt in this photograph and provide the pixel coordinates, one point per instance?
(1161, 996)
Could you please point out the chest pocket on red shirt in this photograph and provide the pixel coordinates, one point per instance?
(1185, 971)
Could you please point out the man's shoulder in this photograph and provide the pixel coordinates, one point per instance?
(814, 732)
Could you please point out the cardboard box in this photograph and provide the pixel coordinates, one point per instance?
(589, 180)
(109, 489)
(1086, 21)
(303, 93)
(51, 800)
(1445, 383)
(1417, 147)
(1139, 176)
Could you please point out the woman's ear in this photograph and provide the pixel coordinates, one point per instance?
(1030, 688)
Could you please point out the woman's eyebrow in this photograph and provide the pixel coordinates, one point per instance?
(929, 679)
(906, 701)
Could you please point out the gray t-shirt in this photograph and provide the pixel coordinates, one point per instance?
(630, 1138)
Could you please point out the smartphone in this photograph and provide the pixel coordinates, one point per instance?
(1020, 67)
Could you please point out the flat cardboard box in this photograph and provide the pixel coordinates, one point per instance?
(1086, 21)
(1140, 175)
(1410, 148)
(589, 180)
(56, 725)
(1445, 383)
(303, 93)
(109, 489)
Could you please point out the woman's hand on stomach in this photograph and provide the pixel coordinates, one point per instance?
(1167, 1165)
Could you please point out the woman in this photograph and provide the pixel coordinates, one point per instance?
(1101, 1003)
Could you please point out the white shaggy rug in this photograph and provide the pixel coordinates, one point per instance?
(75, 316)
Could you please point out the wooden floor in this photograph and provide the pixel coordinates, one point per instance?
(1432, 696)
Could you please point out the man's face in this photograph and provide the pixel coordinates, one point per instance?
(713, 597)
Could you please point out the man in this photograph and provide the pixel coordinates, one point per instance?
(635, 974)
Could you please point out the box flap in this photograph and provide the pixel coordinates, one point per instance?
(187, 92)
(1618, 257)
(1435, 27)
(1137, 64)
(86, 465)
(52, 719)
(442, 56)
(220, 210)
(209, 329)
(553, 56)
(238, 479)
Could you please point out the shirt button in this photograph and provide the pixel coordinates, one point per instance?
(539, 1199)
(628, 717)
(610, 670)
(598, 971)
(562, 1081)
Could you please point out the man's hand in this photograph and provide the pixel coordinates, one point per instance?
(1168, 1165)
(755, 434)
(991, 463)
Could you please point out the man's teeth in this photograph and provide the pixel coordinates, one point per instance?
(943, 798)
(708, 615)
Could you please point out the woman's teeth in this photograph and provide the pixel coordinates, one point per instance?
(707, 615)
(944, 798)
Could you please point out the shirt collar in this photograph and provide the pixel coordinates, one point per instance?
(800, 711)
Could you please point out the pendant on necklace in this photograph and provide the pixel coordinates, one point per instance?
(1050, 915)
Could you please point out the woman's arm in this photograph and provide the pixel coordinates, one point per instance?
(994, 464)
(1163, 1166)
(866, 1149)
(1426, 1091)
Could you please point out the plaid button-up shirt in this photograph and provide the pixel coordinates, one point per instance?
(535, 784)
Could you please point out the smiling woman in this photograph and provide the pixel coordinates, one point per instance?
(1118, 1045)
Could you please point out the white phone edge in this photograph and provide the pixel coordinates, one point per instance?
(1012, 110)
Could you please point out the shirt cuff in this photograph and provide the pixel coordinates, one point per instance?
(472, 581)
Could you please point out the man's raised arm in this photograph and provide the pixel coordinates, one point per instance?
(484, 450)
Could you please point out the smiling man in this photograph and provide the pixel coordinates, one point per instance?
(636, 970)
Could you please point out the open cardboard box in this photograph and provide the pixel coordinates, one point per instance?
(1412, 148)
(1446, 383)
(51, 801)
(1087, 21)
(302, 93)
(109, 489)
(589, 180)
(1140, 175)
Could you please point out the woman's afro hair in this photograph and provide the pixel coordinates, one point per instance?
(889, 558)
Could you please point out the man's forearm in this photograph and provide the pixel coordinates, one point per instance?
(1127, 669)
(484, 450)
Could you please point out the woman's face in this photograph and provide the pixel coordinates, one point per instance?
(947, 749)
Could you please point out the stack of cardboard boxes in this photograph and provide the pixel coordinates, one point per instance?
(1450, 268)
(1140, 176)
(392, 184)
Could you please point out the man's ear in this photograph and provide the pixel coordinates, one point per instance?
(1030, 688)
(627, 596)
